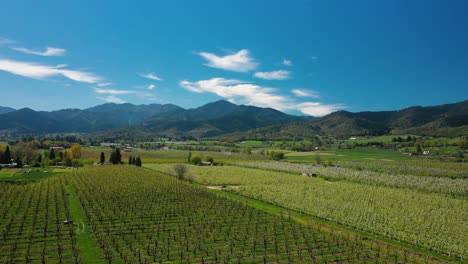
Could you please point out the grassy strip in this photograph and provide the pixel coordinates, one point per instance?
(87, 245)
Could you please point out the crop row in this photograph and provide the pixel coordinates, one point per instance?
(432, 221)
(140, 216)
(31, 224)
(430, 184)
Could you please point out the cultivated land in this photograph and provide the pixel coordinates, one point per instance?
(127, 214)
(417, 210)
(247, 209)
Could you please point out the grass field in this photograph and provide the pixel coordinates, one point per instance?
(29, 174)
(357, 154)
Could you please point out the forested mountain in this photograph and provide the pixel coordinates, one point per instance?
(208, 120)
(231, 121)
(441, 120)
(4, 110)
(102, 117)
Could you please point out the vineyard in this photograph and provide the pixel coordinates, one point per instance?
(31, 224)
(136, 215)
(433, 221)
(367, 173)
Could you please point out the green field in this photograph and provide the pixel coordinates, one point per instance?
(92, 154)
(357, 154)
(126, 214)
(429, 220)
(30, 174)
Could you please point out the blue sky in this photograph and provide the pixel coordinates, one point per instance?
(300, 57)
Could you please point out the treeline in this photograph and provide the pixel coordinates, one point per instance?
(116, 158)
(26, 153)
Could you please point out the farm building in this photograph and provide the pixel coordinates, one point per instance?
(56, 148)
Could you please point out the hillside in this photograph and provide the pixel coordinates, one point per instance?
(216, 118)
(4, 110)
(112, 120)
(441, 120)
(103, 117)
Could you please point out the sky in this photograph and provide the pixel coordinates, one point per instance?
(300, 57)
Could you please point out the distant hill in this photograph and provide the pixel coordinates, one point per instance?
(441, 120)
(102, 117)
(234, 122)
(4, 110)
(217, 118)
(143, 120)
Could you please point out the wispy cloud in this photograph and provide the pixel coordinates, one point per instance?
(151, 87)
(38, 71)
(150, 76)
(49, 51)
(104, 84)
(287, 62)
(305, 93)
(113, 92)
(112, 99)
(273, 75)
(251, 94)
(238, 62)
(5, 41)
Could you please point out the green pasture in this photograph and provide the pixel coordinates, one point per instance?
(356, 154)
(29, 174)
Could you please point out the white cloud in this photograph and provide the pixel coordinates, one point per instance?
(38, 71)
(151, 76)
(151, 87)
(104, 84)
(114, 92)
(273, 75)
(4, 41)
(305, 93)
(50, 51)
(112, 99)
(251, 94)
(238, 91)
(318, 109)
(238, 62)
(287, 62)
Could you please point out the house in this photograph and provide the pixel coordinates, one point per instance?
(206, 163)
(56, 148)
(426, 153)
(10, 165)
(128, 149)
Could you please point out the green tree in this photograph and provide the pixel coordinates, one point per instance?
(7, 156)
(116, 157)
(51, 154)
(103, 158)
(138, 161)
(19, 164)
(418, 148)
(196, 159)
(180, 171)
(189, 158)
(208, 158)
(75, 151)
(277, 155)
(130, 160)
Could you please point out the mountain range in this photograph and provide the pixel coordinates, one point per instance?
(227, 120)
(441, 120)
